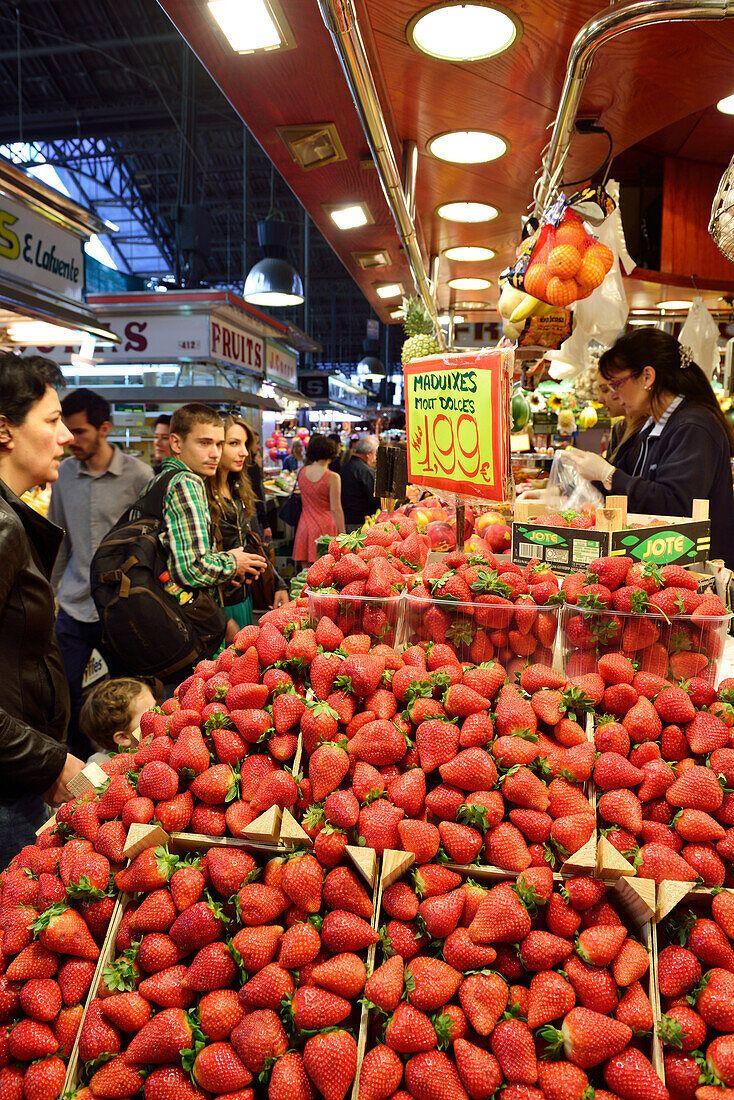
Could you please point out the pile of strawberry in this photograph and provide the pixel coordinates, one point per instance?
(374, 563)
(569, 518)
(426, 755)
(696, 984)
(524, 991)
(212, 758)
(651, 613)
(55, 906)
(665, 773)
(484, 606)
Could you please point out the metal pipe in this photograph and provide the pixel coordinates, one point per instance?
(594, 33)
(341, 22)
(410, 173)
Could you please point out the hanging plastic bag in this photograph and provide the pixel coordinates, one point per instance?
(701, 335)
(603, 314)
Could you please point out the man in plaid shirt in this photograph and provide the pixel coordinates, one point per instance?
(196, 439)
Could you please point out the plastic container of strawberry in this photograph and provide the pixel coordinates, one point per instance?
(482, 631)
(116, 944)
(382, 618)
(677, 648)
(678, 908)
(632, 901)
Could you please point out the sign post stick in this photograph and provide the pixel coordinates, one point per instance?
(460, 527)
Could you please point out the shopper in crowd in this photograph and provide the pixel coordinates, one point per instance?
(296, 458)
(161, 442)
(111, 714)
(197, 438)
(35, 765)
(336, 463)
(358, 483)
(348, 451)
(622, 427)
(254, 472)
(94, 487)
(321, 507)
(232, 505)
(683, 451)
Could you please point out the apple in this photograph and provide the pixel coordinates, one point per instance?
(441, 535)
(422, 516)
(499, 537)
(475, 544)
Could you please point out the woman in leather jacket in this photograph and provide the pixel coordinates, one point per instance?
(34, 696)
(232, 504)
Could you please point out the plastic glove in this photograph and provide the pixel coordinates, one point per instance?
(591, 466)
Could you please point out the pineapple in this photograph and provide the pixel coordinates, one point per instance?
(419, 331)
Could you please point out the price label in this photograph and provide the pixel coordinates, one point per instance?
(458, 424)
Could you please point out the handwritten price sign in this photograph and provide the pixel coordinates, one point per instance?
(457, 423)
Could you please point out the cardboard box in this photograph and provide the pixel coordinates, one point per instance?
(570, 550)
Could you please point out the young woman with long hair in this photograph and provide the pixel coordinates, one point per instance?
(321, 500)
(232, 504)
(684, 449)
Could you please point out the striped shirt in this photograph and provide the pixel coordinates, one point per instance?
(187, 534)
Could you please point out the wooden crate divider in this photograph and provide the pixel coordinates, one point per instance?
(106, 955)
(291, 833)
(611, 864)
(671, 893)
(88, 779)
(364, 861)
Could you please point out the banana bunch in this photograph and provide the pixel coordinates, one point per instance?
(515, 307)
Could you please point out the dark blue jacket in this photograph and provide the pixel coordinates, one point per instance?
(689, 459)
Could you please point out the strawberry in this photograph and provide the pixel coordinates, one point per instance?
(630, 963)
(327, 767)
(384, 987)
(514, 1048)
(587, 1037)
(419, 837)
(500, 918)
(344, 931)
(409, 1031)
(705, 733)
(381, 1074)
(330, 1060)
(116, 1078)
(343, 890)
(697, 788)
(550, 997)
(63, 930)
(629, 1073)
(148, 871)
(197, 926)
(378, 824)
(659, 862)
(433, 1076)
(342, 974)
(288, 1080)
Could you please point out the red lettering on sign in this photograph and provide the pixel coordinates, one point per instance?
(226, 343)
(216, 333)
(258, 356)
(134, 339)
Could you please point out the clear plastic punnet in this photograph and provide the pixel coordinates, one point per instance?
(382, 618)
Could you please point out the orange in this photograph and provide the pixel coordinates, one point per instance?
(535, 280)
(564, 261)
(591, 273)
(572, 232)
(561, 292)
(604, 255)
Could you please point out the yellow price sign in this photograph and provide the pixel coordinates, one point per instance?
(458, 423)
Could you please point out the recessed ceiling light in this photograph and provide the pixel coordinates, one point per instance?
(467, 146)
(460, 31)
(467, 211)
(470, 284)
(674, 304)
(252, 25)
(469, 253)
(349, 215)
(469, 307)
(444, 319)
(43, 334)
(647, 322)
(397, 314)
(388, 290)
(726, 105)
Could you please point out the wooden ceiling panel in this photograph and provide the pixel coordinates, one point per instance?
(647, 86)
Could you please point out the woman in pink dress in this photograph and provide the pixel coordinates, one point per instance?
(321, 505)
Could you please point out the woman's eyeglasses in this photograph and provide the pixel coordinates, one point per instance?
(615, 383)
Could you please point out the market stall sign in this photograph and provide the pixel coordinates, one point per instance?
(280, 365)
(236, 346)
(457, 423)
(37, 251)
(156, 339)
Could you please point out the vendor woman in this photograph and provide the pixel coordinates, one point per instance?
(683, 450)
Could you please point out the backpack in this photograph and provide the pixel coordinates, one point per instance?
(145, 630)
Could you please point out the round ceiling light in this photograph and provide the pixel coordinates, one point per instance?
(469, 253)
(461, 31)
(273, 282)
(674, 304)
(726, 105)
(467, 211)
(467, 146)
(468, 307)
(470, 284)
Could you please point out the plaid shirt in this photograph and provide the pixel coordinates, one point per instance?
(188, 532)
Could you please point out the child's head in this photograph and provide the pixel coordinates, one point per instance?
(112, 712)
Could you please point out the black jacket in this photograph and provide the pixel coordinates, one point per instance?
(233, 526)
(690, 459)
(358, 491)
(34, 695)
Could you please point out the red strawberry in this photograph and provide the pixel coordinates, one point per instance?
(384, 987)
(587, 1037)
(629, 1073)
(330, 1060)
